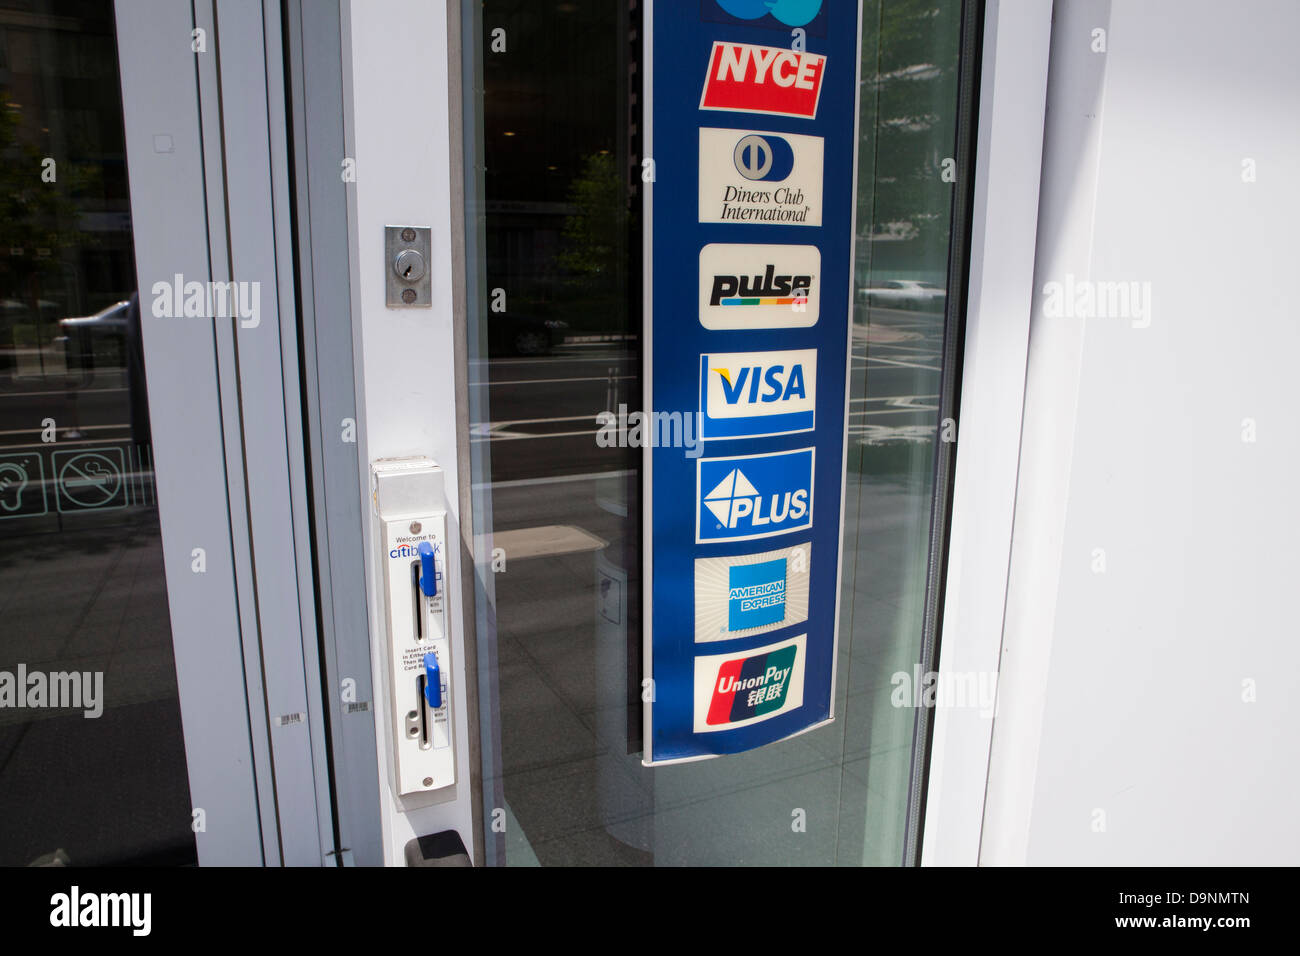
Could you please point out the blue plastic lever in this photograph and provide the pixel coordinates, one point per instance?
(432, 681)
(428, 573)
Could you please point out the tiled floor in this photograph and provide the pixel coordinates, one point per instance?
(577, 795)
(91, 596)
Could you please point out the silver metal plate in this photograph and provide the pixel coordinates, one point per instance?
(399, 291)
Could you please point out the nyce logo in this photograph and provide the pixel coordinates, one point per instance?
(756, 394)
(763, 79)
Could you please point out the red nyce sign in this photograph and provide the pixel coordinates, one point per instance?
(763, 79)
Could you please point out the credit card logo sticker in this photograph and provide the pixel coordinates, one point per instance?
(750, 594)
(756, 595)
(763, 79)
(757, 177)
(734, 690)
(754, 496)
(787, 13)
(759, 286)
(757, 394)
(763, 158)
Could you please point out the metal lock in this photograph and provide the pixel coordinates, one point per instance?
(407, 284)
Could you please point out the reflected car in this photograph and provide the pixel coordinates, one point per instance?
(512, 334)
(98, 339)
(914, 294)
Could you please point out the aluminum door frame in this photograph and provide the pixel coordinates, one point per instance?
(1004, 227)
(403, 133)
(207, 157)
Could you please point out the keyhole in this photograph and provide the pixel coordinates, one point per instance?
(409, 265)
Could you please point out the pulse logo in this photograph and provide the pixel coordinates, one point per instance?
(757, 394)
(766, 289)
(734, 690)
(756, 595)
(759, 286)
(753, 496)
(763, 79)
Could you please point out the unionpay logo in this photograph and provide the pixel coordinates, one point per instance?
(753, 176)
(732, 690)
(763, 79)
(753, 496)
(757, 394)
(756, 595)
(759, 286)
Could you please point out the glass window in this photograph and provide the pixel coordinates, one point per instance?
(553, 185)
(92, 763)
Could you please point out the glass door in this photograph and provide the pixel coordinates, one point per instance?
(92, 756)
(553, 121)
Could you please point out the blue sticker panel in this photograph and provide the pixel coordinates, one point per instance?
(752, 131)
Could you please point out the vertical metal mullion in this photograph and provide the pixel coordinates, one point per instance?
(302, 568)
(461, 299)
(949, 400)
(176, 204)
(314, 104)
(211, 117)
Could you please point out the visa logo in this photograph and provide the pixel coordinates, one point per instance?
(773, 389)
(753, 496)
(757, 394)
(763, 79)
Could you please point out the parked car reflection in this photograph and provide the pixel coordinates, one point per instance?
(905, 294)
(510, 333)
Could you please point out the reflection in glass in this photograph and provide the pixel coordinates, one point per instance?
(554, 197)
(92, 764)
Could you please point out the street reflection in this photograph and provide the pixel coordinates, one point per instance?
(561, 196)
(82, 587)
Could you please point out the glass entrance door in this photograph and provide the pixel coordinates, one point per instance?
(92, 758)
(553, 123)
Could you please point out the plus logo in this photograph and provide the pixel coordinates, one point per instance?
(756, 496)
(732, 499)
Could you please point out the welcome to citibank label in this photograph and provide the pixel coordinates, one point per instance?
(735, 690)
